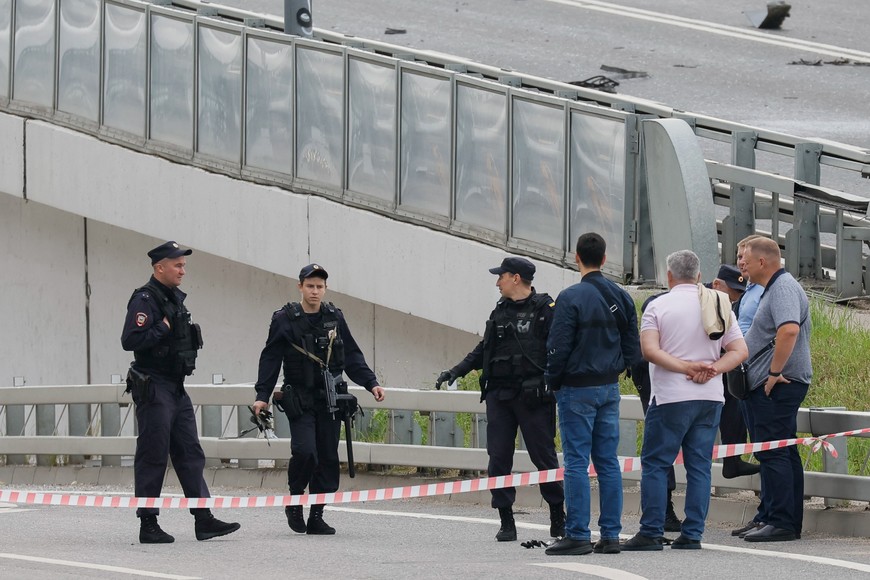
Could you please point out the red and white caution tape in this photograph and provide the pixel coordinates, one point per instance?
(816, 443)
(626, 465)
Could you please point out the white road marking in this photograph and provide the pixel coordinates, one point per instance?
(720, 29)
(117, 569)
(707, 546)
(593, 570)
(788, 556)
(11, 508)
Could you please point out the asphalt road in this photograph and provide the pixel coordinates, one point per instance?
(399, 539)
(702, 56)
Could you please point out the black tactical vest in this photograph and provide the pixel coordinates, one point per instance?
(301, 370)
(515, 346)
(175, 355)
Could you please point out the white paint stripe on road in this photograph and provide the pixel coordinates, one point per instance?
(789, 556)
(720, 29)
(593, 570)
(102, 567)
(707, 546)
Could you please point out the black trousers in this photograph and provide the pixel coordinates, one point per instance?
(167, 430)
(538, 426)
(732, 425)
(314, 439)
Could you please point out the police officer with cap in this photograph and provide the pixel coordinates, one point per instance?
(164, 341)
(732, 425)
(513, 357)
(311, 338)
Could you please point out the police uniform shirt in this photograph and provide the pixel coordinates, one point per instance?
(144, 327)
(278, 342)
(474, 359)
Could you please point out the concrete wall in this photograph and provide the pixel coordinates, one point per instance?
(47, 333)
(416, 298)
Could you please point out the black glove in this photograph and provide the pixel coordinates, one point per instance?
(444, 377)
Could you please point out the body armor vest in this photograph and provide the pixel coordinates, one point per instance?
(515, 349)
(175, 355)
(301, 370)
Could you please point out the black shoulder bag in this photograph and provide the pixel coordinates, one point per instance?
(737, 379)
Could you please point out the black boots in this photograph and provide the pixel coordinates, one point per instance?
(295, 519)
(735, 467)
(508, 530)
(316, 525)
(150, 532)
(557, 520)
(207, 526)
(672, 522)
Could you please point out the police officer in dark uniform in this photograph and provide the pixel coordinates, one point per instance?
(164, 341)
(311, 338)
(513, 357)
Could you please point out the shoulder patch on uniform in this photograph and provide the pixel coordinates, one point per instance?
(552, 304)
(141, 319)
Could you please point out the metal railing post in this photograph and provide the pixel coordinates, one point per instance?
(803, 242)
(79, 419)
(110, 426)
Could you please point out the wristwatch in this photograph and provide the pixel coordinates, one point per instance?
(773, 374)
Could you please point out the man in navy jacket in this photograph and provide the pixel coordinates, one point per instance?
(593, 339)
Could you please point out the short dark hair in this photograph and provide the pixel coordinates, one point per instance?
(590, 249)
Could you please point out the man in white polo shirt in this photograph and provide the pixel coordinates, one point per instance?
(686, 368)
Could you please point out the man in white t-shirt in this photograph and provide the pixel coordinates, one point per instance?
(686, 369)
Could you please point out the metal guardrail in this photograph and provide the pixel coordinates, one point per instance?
(509, 159)
(834, 484)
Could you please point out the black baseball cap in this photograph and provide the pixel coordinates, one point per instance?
(312, 270)
(168, 250)
(515, 265)
(732, 277)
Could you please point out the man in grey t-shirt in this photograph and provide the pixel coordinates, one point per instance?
(780, 371)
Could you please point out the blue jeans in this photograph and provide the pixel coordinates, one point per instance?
(589, 424)
(782, 474)
(691, 425)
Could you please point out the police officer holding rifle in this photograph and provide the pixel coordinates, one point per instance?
(313, 342)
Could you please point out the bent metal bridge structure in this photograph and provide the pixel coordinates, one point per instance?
(406, 174)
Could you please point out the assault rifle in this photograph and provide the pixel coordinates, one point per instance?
(338, 400)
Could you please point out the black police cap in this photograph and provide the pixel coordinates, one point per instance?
(732, 276)
(168, 250)
(515, 265)
(312, 270)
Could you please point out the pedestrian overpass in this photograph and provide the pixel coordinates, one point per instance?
(406, 174)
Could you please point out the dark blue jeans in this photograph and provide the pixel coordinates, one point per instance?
(782, 474)
(589, 424)
(692, 426)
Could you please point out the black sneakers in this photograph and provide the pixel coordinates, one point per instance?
(607, 546)
(643, 544)
(150, 532)
(569, 547)
(684, 543)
